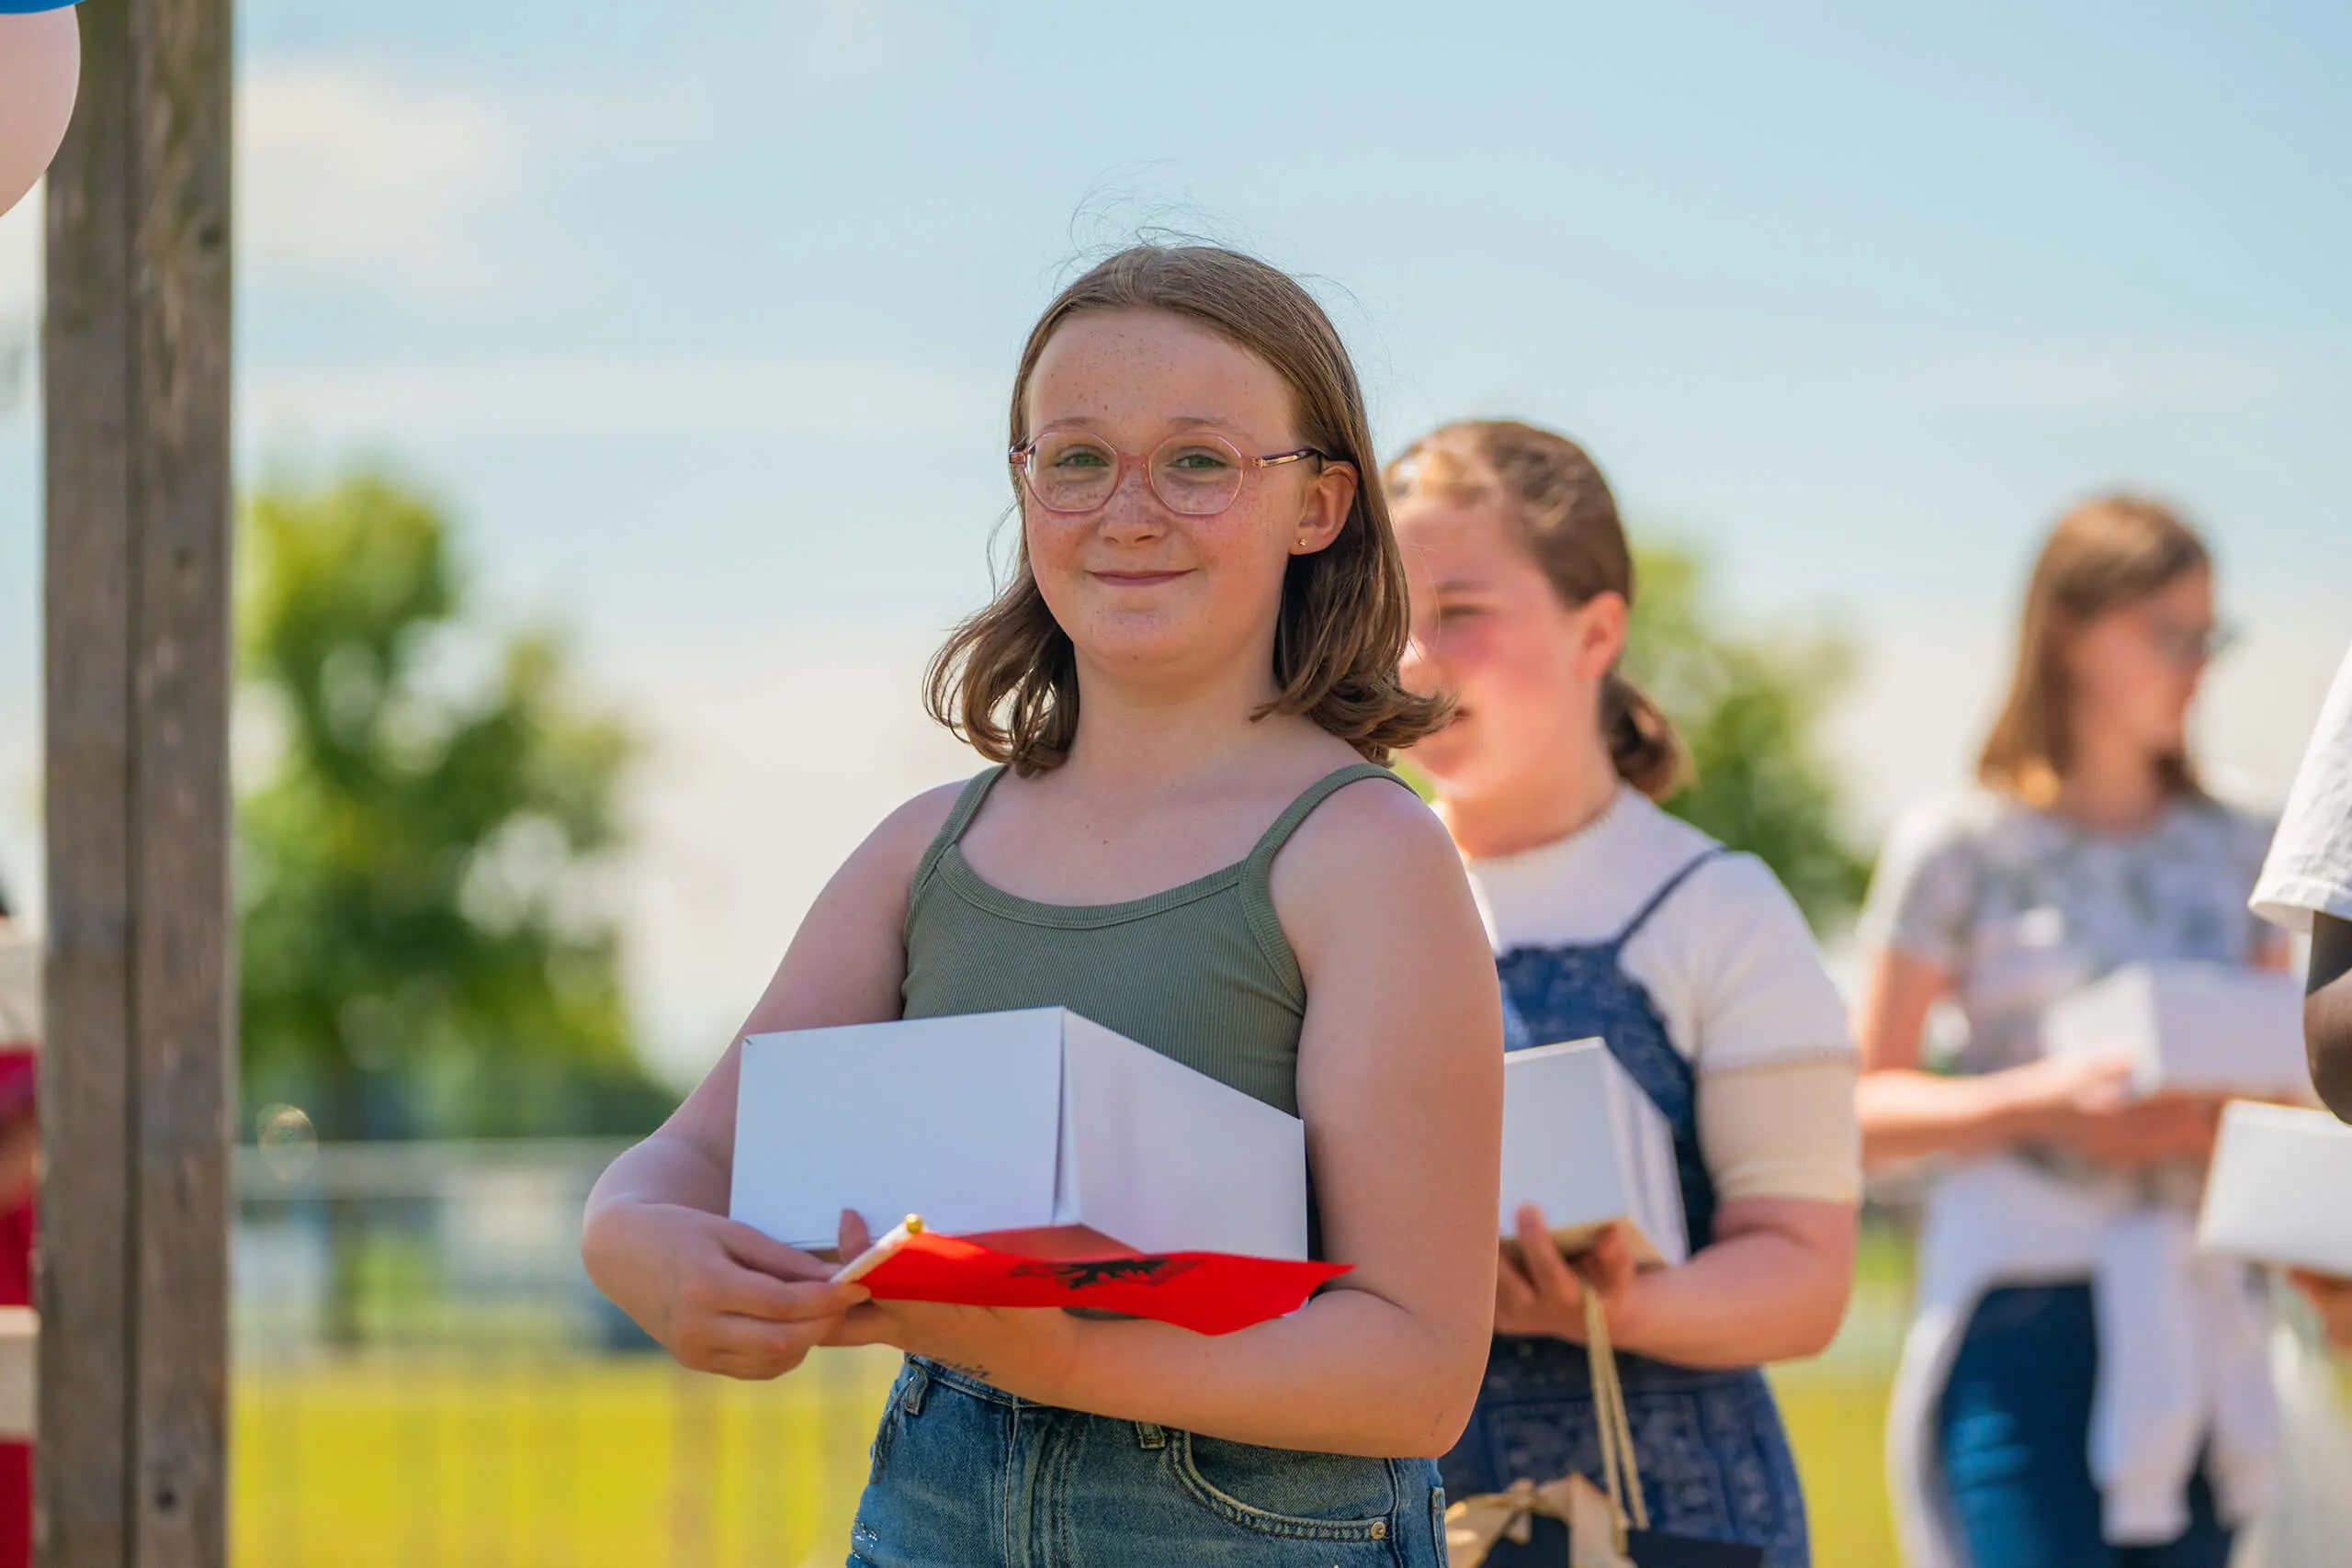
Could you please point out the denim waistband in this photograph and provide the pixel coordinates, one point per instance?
(924, 1373)
(927, 1372)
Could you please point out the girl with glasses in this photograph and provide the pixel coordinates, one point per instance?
(1187, 690)
(2079, 1390)
(1610, 918)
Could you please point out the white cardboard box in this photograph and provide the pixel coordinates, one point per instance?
(2209, 1027)
(1585, 1145)
(2280, 1187)
(1038, 1121)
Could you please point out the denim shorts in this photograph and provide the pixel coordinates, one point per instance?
(967, 1475)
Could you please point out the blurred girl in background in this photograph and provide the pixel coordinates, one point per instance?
(1610, 918)
(2039, 1423)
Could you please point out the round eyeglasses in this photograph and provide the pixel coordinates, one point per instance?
(1199, 475)
(2190, 645)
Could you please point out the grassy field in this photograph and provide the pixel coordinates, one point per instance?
(540, 1463)
(584, 1463)
(1838, 1421)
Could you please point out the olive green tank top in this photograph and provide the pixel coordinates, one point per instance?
(1201, 973)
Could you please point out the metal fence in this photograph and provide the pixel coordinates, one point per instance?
(424, 1375)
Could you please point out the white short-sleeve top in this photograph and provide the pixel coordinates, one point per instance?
(1727, 960)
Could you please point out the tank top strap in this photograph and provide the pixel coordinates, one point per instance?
(1299, 810)
(1257, 888)
(951, 832)
(1658, 899)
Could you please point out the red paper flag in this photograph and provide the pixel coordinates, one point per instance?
(1208, 1292)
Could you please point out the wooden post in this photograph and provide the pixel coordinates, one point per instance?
(133, 1293)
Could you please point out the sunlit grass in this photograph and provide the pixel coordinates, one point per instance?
(627, 1462)
(577, 1463)
(580, 1461)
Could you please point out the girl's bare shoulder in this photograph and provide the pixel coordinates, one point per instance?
(888, 859)
(1374, 838)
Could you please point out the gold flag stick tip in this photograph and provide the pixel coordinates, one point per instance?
(880, 1252)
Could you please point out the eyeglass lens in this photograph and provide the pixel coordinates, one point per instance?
(1067, 471)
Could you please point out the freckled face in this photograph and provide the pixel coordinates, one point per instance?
(1134, 584)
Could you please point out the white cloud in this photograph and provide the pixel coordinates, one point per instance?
(611, 397)
(356, 171)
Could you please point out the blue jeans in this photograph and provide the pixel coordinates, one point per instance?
(967, 1475)
(2014, 1431)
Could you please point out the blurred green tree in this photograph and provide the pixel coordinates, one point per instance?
(1750, 707)
(424, 945)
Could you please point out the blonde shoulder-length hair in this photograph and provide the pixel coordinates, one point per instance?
(2105, 554)
(1006, 680)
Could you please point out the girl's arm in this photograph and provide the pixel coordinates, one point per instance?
(1400, 1084)
(720, 1296)
(2083, 1102)
(1907, 1113)
(1771, 1287)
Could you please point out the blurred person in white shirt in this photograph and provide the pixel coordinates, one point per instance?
(2306, 886)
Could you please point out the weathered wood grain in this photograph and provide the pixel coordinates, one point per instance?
(136, 1099)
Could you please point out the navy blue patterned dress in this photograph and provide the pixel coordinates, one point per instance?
(1714, 1461)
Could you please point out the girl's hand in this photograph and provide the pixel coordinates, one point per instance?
(720, 1297)
(2063, 1089)
(1021, 1349)
(2088, 1103)
(2128, 1134)
(1024, 1350)
(2160, 1129)
(1543, 1293)
(2332, 1295)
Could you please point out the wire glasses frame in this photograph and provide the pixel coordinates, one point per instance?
(1197, 474)
(2188, 646)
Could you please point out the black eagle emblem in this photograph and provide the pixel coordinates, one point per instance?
(1078, 1276)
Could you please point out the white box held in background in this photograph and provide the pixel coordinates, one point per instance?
(2280, 1189)
(2212, 1028)
(1585, 1145)
(1038, 1121)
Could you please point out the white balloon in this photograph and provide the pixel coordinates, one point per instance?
(41, 67)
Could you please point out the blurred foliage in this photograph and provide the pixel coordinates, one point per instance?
(424, 946)
(1750, 708)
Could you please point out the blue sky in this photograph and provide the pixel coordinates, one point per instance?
(700, 315)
